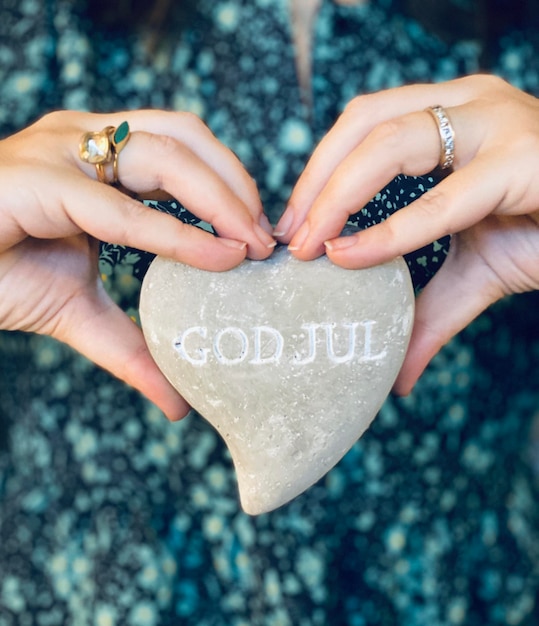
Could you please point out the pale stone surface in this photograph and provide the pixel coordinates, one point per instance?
(289, 361)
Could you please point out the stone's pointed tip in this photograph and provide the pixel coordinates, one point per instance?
(260, 502)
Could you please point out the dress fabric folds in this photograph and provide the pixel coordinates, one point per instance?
(111, 516)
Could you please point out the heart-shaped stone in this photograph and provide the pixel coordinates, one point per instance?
(290, 361)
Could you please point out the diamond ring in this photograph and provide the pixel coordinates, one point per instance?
(447, 136)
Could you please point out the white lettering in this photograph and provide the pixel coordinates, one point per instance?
(232, 346)
(273, 336)
(351, 342)
(243, 343)
(202, 353)
(311, 356)
(367, 346)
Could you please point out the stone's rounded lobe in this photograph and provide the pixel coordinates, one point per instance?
(290, 361)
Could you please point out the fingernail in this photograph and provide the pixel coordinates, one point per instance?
(265, 224)
(300, 237)
(176, 416)
(340, 243)
(180, 414)
(284, 224)
(174, 406)
(264, 236)
(233, 243)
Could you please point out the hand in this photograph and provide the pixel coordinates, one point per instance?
(53, 212)
(490, 203)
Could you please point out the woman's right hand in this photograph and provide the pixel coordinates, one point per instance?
(53, 212)
(489, 202)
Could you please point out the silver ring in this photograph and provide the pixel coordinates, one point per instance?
(447, 136)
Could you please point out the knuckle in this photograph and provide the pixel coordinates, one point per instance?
(484, 84)
(253, 195)
(389, 132)
(134, 216)
(164, 151)
(390, 236)
(163, 144)
(49, 119)
(492, 82)
(139, 220)
(179, 232)
(437, 335)
(192, 121)
(433, 205)
(361, 109)
(55, 118)
(355, 107)
(135, 367)
(525, 143)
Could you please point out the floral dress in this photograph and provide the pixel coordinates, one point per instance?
(111, 516)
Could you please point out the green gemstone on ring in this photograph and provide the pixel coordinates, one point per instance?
(120, 137)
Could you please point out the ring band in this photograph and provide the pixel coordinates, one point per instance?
(447, 136)
(102, 148)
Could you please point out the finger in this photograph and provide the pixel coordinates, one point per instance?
(462, 289)
(461, 200)
(359, 118)
(190, 131)
(406, 145)
(158, 162)
(115, 218)
(75, 204)
(99, 330)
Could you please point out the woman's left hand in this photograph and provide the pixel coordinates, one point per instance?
(53, 213)
(489, 203)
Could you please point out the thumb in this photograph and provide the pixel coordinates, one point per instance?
(462, 289)
(97, 328)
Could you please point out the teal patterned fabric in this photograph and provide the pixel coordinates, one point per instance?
(111, 516)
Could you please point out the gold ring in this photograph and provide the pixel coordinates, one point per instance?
(447, 136)
(102, 148)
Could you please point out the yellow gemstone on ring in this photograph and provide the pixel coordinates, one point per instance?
(103, 147)
(95, 147)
